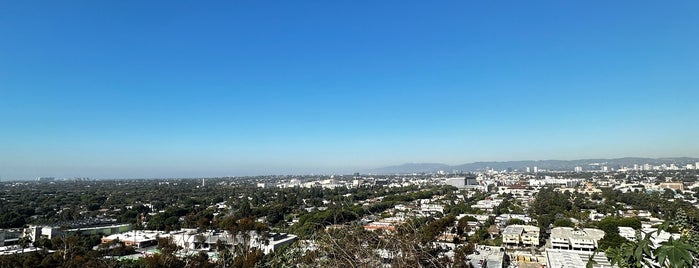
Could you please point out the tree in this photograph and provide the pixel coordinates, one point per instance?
(632, 254)
(462, 225)
(563, 222)
(516, 222)
(166, 257)
(676, 253)
(461, 253)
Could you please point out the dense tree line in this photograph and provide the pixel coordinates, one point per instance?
(223, 204)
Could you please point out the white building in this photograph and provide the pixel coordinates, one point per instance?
(10, 236)
(502, 219)
(189, 239)
(628, 233)
(655, 237)
(557, 258)
(567, 238)
(427, 208)
(487, 205)
(136, 239)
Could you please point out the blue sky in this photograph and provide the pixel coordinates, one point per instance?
(110, 89)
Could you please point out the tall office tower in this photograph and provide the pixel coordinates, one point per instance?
(536, 169)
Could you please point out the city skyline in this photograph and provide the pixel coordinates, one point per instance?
(164, 89)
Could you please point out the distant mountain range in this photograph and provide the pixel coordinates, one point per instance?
(585, 164)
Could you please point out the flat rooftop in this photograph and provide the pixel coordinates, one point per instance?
(574, 259)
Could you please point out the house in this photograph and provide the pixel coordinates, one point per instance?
(515, 235)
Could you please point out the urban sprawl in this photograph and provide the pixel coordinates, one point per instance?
(641, 215)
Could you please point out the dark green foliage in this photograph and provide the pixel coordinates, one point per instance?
(610, 226)
(436, 227)
(516, 222)
(549, 205)
(563, 222)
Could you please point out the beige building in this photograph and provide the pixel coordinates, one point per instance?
(515, 235)
(672, 185)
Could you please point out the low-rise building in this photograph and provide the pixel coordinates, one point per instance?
(515, 235)
(656, 237)
(10, 236)
(379, 226)
(672, 185)
(487, 205)
(627, 232)
(191, 240)
(49, 232)
(502, 219)
(575, 259)
(136, 239)
(567, 238)
(487, 257)
(431, 208)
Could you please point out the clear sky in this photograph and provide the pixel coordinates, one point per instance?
(110, 89)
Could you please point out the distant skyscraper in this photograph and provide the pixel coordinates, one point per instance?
(536, 169)
(696, 165)
(528, 170)
(578, 169)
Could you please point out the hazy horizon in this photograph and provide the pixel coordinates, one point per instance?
(271, 171)
(176, 89)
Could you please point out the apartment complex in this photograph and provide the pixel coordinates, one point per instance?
(585, 239)
(515, 235)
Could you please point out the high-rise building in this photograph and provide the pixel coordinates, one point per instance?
(536, 169)
(578, 169)
(528, 170)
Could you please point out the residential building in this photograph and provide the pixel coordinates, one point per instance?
(567, 238)
(515, 235)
